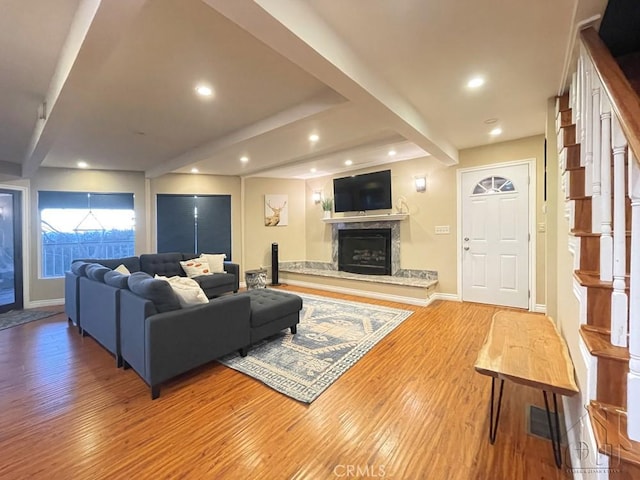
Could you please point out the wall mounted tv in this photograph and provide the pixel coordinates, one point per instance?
(358, 193)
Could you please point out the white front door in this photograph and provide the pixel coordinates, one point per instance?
(495, 235)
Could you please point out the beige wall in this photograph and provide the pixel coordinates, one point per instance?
(258, 237)
(71, 180)
(306, 237)
(420, 247)
(199, 185)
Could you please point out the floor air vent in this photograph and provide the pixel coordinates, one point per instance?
(538, 426)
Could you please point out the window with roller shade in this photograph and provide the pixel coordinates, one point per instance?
(194, 223)
(84, 225)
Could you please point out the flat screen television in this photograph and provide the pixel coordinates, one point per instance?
(358, 193)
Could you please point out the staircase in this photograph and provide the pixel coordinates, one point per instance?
(598, 126)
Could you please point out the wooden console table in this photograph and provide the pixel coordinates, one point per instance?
(527, 348)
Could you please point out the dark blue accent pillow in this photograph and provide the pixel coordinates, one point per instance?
(157, 291)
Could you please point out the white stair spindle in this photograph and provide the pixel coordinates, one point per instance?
(596, 210)
(587, 131)
(633, 377)
(619, 297)
(606, 238)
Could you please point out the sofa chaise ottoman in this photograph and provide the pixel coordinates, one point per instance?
(271, 312)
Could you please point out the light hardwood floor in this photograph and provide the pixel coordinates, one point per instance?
(412, 408)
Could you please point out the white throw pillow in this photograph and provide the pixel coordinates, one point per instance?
(122, 269)
(187, 290)
(195, 267)
(215, 261)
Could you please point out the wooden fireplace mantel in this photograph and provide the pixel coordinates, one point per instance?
(386, 217)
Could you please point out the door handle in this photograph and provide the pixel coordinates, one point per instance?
(466, 248)
(466, 239)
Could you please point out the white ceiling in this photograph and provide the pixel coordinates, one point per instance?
(366, 75)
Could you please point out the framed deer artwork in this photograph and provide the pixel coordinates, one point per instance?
(276, 210)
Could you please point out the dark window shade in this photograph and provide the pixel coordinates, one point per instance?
(177, 228)
(112, 201)
(214, 224)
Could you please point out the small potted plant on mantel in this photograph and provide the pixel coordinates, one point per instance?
(327, 205)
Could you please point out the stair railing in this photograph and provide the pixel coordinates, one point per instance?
(609, 114)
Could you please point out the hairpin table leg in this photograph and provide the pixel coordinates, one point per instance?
(554, 432)
(493, 423)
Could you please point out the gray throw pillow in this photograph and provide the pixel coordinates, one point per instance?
(97, 272)
(157, 291)
(79, 268)
(116, 279)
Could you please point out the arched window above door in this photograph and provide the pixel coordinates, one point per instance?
(493, 184)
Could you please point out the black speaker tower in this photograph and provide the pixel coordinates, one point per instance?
(274, 264)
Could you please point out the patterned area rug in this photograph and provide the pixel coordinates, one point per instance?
(332, 336)
(18, 317)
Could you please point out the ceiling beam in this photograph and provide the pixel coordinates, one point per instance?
(295, 30)
(10, 170)
(315, 105)
(95, 32)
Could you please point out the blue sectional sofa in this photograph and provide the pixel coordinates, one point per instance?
(165, 264)
(139, 318)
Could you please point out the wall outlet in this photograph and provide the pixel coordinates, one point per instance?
(542, 227)
(442, 230)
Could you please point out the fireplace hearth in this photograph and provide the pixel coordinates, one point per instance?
(365, 251)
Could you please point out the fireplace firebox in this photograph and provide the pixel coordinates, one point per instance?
(366, 251)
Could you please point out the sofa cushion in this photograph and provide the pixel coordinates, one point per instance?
(215, 261)
(96, 272)
(195, 267)
(79, 268)
(215, 280)
(132, 263)
(165, 264)
(116, 279)
(268, 305)
(157, 291)
(187, 290)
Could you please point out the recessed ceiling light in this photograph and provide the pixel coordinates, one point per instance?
(204, 90)
(491, 121)
(314, 137)
(495, 132)
(194, 170)
(244, 159)
(313, 170)
(392, 153)
(82, 164)
(475, 82)
(348, 162)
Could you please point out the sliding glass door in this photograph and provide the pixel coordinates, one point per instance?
(10, 250)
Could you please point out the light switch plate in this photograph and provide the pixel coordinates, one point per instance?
(442, 230)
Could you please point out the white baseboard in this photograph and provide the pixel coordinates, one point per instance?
(363, 293)
(449, 297)
(44, 303)
(540, 308)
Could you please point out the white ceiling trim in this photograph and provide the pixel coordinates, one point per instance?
(90, 40)
(295, 30)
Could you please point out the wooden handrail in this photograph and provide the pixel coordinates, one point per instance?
(624, 100)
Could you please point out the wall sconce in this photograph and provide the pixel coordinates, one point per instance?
(421, 183)
(317, 196)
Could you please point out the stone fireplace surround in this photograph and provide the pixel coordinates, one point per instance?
(409, 277)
